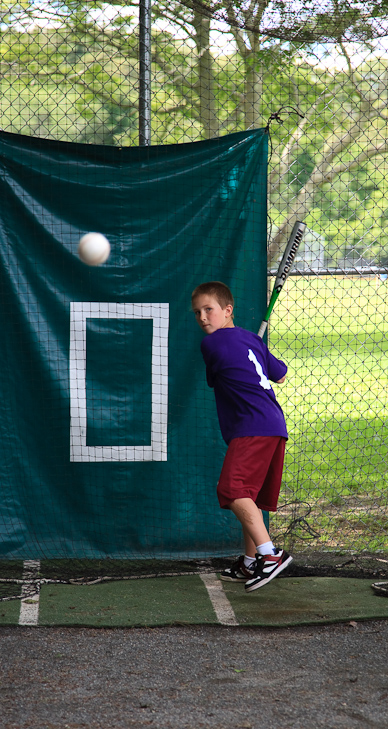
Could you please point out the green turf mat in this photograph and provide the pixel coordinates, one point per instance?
(306, 601)
(161, 601)
(10, 570)
(184, 600)
(9, 612)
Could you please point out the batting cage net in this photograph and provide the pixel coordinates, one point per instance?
(193, 135)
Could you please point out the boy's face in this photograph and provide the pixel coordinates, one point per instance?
(210, 315)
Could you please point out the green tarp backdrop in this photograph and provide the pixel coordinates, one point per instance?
(110, 444)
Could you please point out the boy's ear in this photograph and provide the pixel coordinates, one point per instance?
(229, 309)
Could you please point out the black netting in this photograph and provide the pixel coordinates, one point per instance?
(317, 73)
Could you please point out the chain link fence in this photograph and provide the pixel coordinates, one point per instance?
(317, 73)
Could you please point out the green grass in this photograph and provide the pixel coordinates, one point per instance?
(333, 334)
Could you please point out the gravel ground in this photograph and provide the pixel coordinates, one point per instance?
(331, 677)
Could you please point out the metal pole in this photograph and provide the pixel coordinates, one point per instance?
(145, 73)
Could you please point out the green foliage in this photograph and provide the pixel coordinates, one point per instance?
(66, 79)
(75, 77)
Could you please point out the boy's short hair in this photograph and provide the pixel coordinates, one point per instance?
(219, 290)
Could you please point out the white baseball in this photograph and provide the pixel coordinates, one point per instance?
(93, 249)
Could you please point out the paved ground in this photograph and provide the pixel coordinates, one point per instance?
(322, 677)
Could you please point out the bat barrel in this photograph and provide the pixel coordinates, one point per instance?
(289, 254)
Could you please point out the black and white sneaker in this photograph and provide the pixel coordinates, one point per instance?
(266, 568)
(237, 572)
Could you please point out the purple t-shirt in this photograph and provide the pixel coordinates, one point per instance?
(239, 366)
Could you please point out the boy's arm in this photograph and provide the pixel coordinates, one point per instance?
(276, 368)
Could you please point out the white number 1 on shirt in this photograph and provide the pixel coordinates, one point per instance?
(264, 381)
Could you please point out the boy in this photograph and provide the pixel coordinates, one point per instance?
(239, 367)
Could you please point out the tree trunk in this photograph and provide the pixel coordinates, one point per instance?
(253, 86)
(207, 106)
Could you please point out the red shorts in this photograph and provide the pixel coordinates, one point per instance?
(252, 468)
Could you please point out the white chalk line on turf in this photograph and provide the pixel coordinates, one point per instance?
(222, 607)
(29, 605)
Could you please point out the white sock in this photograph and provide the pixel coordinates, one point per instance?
(248, 561)
(266, 548)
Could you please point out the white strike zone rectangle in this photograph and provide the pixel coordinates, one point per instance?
(80, 311)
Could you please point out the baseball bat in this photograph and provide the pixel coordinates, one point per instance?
(284, 269)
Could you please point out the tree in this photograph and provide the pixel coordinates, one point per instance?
(345, 149)
(74, 66)
(276, 39)
(336, 149)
